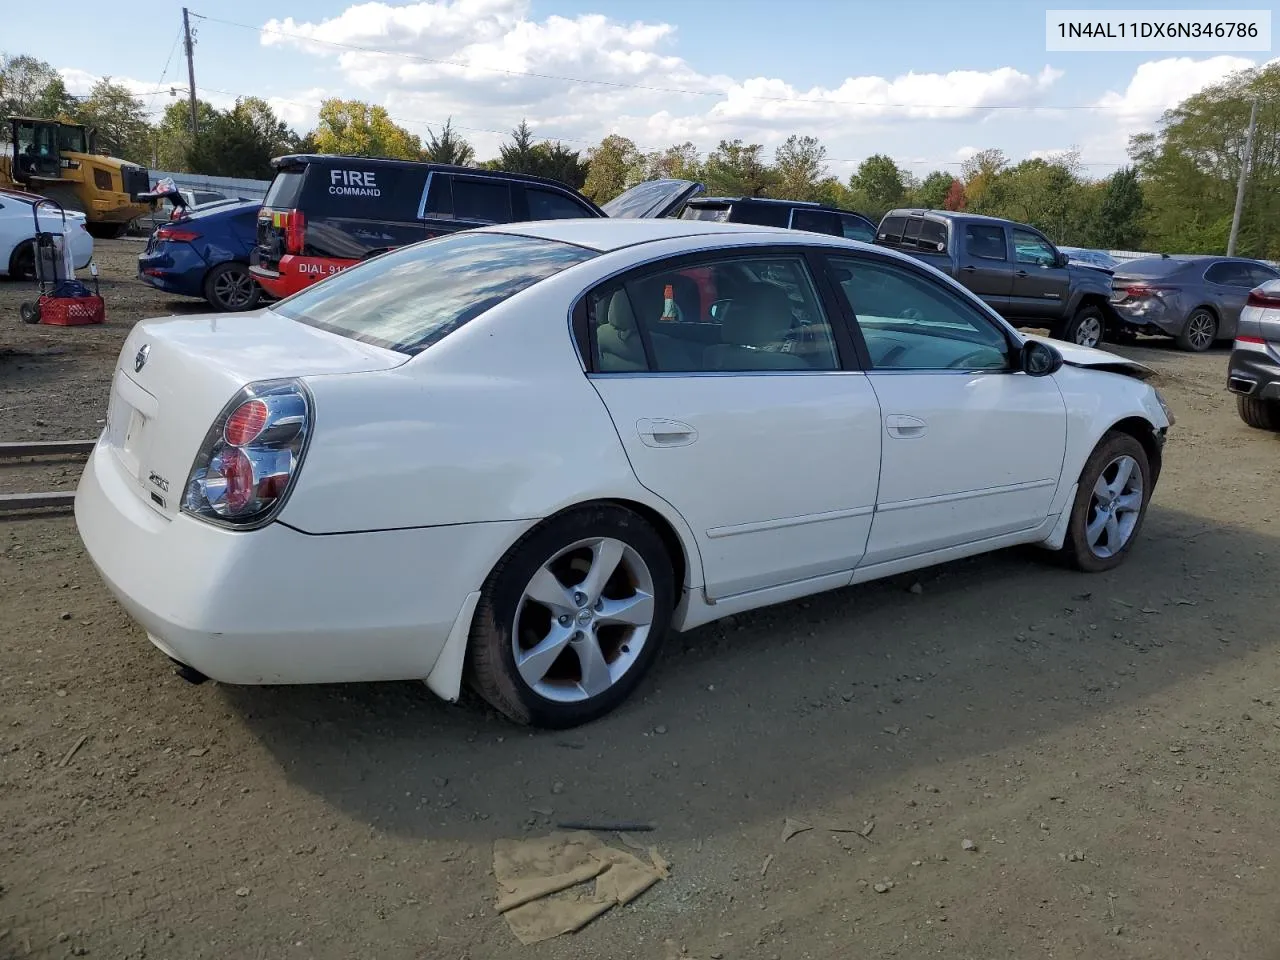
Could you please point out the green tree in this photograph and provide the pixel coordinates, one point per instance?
(739, 169)
(932, 191)
(979, 174)
(448, 147)
(519, 154)
(119, 119)
(241, 142)
(1118, 222)
(1188, 169)
(678, 162)
(558, 162)
(30, 87)
(172, 135)
(800, 164)
(359, 129)
(878, 186)
(1047, 193)
(612, 167)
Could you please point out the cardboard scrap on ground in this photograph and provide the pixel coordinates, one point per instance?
(542, 882)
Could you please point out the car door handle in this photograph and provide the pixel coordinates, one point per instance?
(904, 427)
(665, 433)
(969, 269)
(1020, 273)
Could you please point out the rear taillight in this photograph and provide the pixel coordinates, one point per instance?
(295, 232)
(251, 455)
(1140, 290)
(1258, 341)
(1260, 298)
(177, 233)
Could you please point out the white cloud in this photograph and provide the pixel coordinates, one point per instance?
(1158, 85)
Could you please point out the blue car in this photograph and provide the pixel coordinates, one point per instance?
(205, 253)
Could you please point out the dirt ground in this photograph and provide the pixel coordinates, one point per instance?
(1108, 744)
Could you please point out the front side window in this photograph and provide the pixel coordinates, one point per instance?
(1031, 248)
(909, 322)
(415, 296)
(741, 315)
(1261, 273)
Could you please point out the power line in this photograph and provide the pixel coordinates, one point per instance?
(628, 86)
(165, 72)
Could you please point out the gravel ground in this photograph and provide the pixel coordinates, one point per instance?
(1107, 744)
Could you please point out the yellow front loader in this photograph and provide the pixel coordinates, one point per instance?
(57, 160)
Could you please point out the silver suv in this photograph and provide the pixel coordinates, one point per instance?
(1253, 372)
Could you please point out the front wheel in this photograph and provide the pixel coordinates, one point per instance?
(572, 617)
(1086, 328)
(1110, 505)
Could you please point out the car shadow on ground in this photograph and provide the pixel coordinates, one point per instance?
(796, 706)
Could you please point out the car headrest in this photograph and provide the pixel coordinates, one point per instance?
(620, 315)
(761, 314)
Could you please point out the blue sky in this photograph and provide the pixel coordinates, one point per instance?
(927, 82)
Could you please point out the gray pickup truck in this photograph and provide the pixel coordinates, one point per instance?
(1011, 266)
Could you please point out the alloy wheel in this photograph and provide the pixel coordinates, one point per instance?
(583, 619)
(1114, 507)
(1089, 333)
(1200, 330)
(233, 289)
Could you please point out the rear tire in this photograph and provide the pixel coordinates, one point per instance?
(1086, 329)
(22, 262)
(1199, 332)
(1259, 414)
(230, 287)
(594, 655)
(1109, 510)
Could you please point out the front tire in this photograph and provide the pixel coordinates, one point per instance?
(1110, 505)
(572, 618)
(1086, 329)
(230, 287)
(1259, 414)
(1199, 332)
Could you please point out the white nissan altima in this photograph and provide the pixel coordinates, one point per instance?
(520, 455)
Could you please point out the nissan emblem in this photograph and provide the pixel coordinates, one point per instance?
(140, 360)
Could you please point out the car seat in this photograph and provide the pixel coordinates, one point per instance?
(753, 332)
(618, 340)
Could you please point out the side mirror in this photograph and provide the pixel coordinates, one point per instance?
(1062, 259)
(1040, 359)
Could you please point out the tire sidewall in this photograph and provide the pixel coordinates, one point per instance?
(501, 594)
(22, 263)
(1111, 446)
(1073, 325)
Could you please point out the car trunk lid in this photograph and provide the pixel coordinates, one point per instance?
(175, 375)
(652, 199)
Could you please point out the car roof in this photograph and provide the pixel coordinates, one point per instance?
(774, 201)
(297, 159)
(608, 234)
(948, 215)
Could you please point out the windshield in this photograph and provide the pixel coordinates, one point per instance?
(413, 297)
(646, 199)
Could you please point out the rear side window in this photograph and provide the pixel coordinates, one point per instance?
(485, 201)
(415, 296)
(1231, 274)
(761, 214)
(285, 189)
(855, 228)
(350, 189)
(985, 242)
(817, 221)
(550, 205)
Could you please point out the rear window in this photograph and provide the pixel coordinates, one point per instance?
(918, 233)
(413, 297)
(284, 190)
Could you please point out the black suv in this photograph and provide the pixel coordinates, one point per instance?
(324, 213)
(792, 214)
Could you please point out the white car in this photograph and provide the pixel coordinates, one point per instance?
(519, 455)
(18, 228)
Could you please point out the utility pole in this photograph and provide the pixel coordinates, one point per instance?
(191, 72)
(1245, 162)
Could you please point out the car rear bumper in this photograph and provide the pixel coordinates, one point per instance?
(1150, 313)
(1253, 373)
(295, 273)
(276, 605)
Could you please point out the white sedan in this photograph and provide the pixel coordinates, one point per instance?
(520, 455)
(18, 228)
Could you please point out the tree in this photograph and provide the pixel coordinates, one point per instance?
(519, 155)
(877, 187)
(120, 121)
(955, 198)
(359, 129)
(738, 169)
(30, 87)
(1118, 223)
(1188, 169)
(558, 162)
(933, 191)
(612, 167)
(241, 142)
(801, 165)
(448, 147)
(678, 162)
(979, 173)
(1047, 193)
(172, 135)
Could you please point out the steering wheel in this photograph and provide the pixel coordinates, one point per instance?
(910, 313)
